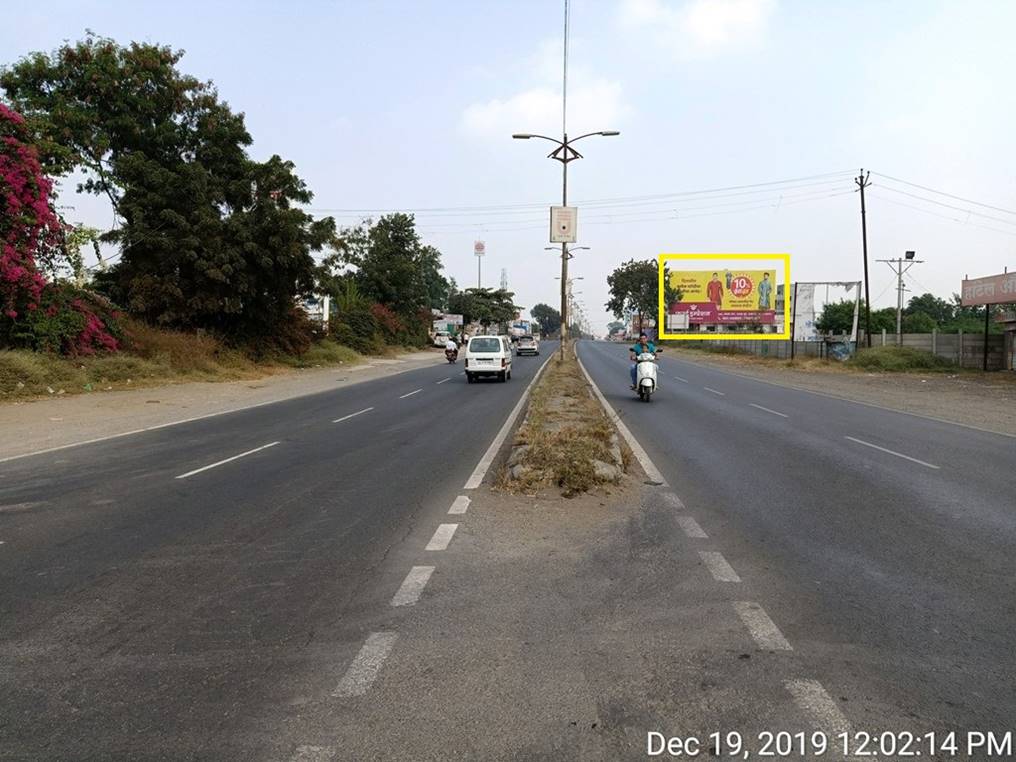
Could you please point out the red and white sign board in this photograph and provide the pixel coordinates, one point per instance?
(994, 289)
(564, 224)
(479, 248)
(709, 314)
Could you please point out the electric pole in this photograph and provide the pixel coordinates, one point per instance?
(862, 183)
(897, 266)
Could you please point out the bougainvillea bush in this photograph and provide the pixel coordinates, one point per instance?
(33, 313)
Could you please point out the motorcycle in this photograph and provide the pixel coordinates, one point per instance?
(645, 375)
(451, 355)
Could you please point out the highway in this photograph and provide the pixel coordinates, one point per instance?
(880, 543)
(301, 581)
(178, 593)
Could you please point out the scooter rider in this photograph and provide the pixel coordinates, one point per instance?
(643, 345)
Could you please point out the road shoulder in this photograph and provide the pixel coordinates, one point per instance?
(58, 422)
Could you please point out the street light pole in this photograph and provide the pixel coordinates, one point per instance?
(565, 154)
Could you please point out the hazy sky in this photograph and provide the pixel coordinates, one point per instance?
(410, 105)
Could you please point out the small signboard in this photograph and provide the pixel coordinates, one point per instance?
(564, 224)
(992, 289)
(479, 248)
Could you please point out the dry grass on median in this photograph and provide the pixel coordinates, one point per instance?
(564, 433)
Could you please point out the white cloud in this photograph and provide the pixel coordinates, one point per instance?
(700, 28)
(594, 103)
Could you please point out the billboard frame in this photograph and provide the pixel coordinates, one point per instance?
(662, 259)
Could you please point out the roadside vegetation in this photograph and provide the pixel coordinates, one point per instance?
(212, 256)
(566, 440)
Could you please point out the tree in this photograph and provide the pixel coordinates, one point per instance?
(838, 317)
(28, 226)
(483, 305)
(548, 318)
(209, 237)
(634, 287)
(939, 310)
(614, 326)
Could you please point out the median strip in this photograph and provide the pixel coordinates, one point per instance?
(227, 460)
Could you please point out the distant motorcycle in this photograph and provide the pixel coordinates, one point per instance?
(451, 355)
(645, 375)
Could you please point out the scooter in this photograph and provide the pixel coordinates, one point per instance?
(645, 375)
(451, 355)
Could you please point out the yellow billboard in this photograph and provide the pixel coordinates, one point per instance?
(693, 302)
(728, 290)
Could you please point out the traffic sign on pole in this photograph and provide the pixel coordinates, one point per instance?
(564, 224)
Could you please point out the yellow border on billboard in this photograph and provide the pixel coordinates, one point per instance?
(661, 307)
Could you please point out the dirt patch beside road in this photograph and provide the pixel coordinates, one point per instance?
(984, 400)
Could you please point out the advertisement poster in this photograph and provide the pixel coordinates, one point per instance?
(724, 297)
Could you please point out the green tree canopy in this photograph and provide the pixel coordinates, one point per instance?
(209, 237)
(483, 305)
(634, 288)
(939, 310)
(548, 318)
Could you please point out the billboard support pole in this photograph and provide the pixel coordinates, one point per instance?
(987, 313)
(793, 325)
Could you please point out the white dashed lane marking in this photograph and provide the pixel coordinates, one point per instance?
(412, 586)
(767, 635)
(819, 705)
(718, 566)
(682, 380)
(691, 527)
(714, 391)
(352, 415)
(769, 410)
(365, 667)
(445, 379)
(417, 391)
(460, 504)
(442, 536)
(892, 452)
(226, 460)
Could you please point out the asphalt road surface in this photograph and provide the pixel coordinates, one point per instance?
(880, 543)
(176, 594)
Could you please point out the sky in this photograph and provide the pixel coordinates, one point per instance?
(410, 106)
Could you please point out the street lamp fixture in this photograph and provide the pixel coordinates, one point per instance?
(565, 154)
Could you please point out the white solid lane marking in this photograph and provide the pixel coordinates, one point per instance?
(352, 415)
(637, 450)
(312, 754)
(769, 410)
(761, 627)
(714, 391)
(815, 701)
(476, 478)
(718, 566)
(892, 452)
(412, 586)
(460, 504)
(445, 379)
(227, 460)
(366, 666)
(691, 527)
(410, 394)
(682, 380)
(442, 536)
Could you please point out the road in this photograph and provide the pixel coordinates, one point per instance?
(182, 592)
(880, 543)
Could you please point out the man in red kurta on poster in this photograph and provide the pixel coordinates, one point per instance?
(714, 290)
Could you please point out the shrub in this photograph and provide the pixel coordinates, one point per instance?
(69, 320)
(899, 359)
(388, 322)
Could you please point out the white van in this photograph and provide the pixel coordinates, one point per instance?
(488, 356)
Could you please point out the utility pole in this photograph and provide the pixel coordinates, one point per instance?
(897, 266)
(862, 183)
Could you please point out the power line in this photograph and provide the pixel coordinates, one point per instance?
(943, 193)
(942, 216)
(948, 206)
